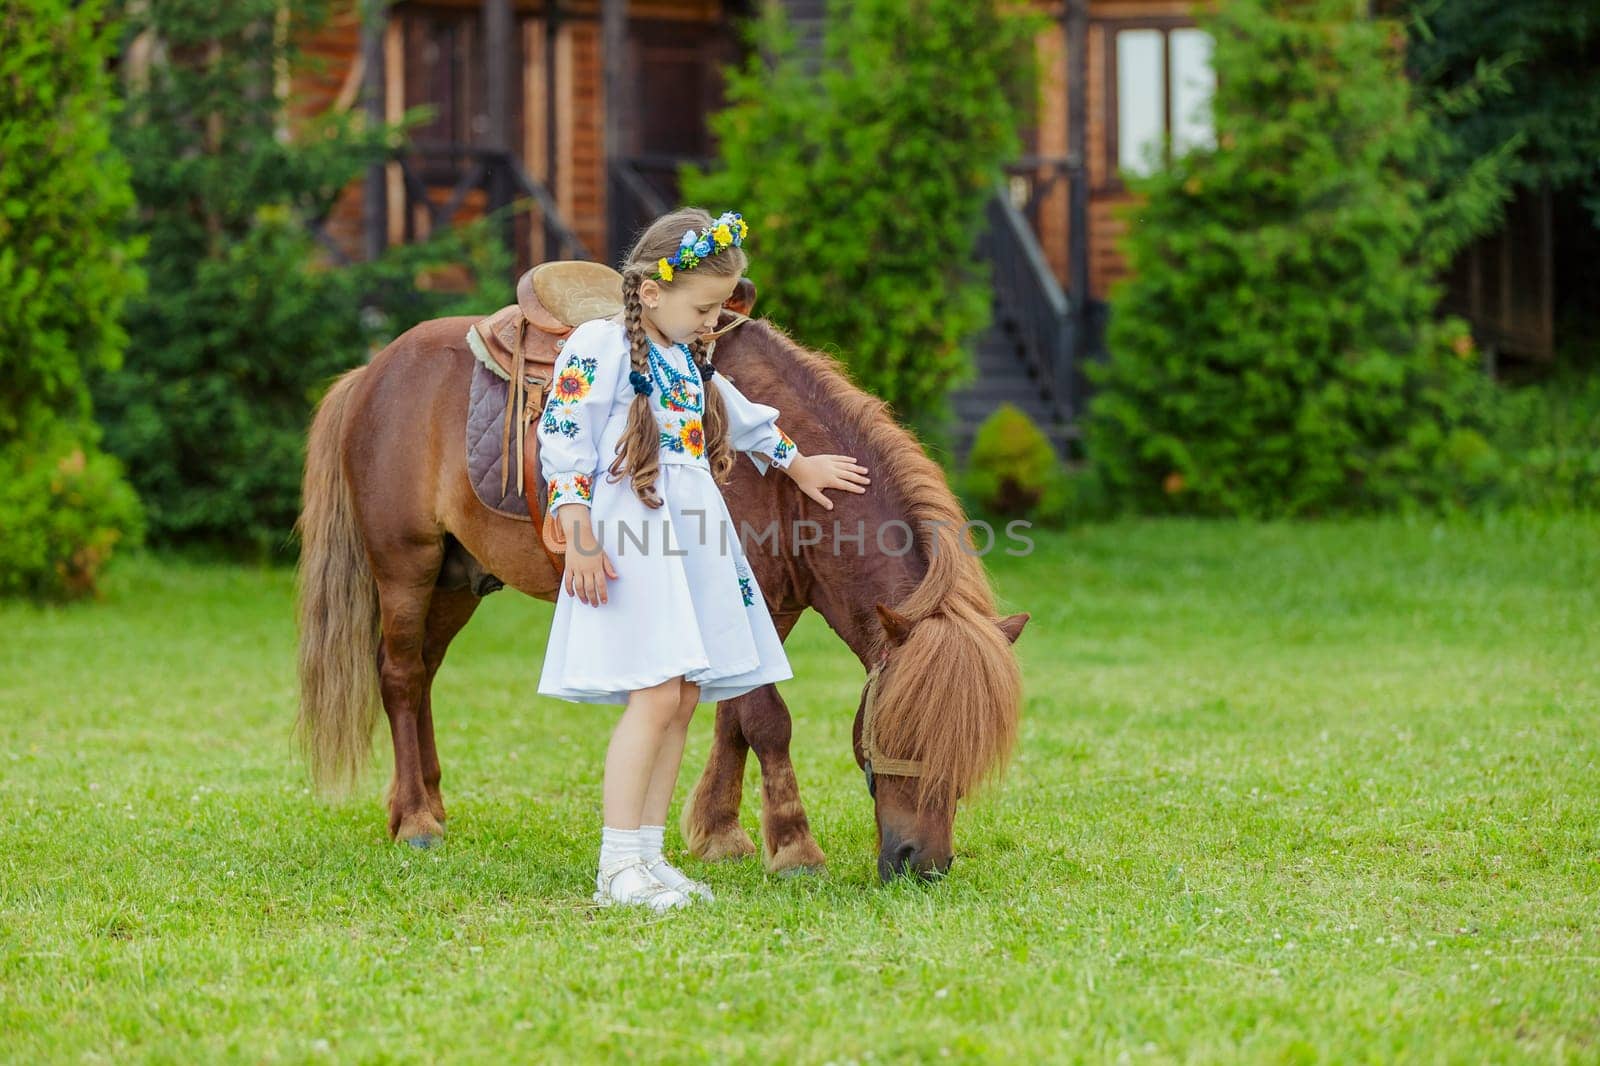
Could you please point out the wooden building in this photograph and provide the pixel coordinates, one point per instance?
(544, 100)
(524, 106)
(587, 107)
(596, 145)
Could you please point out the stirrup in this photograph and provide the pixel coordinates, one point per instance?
(650, 893)
(690, 886)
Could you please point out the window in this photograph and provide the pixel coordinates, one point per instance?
(1162, 83)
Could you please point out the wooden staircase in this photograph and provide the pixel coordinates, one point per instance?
(1004, 376)
(1027, 357)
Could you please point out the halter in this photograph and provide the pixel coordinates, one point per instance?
(737, 319)
(873, 760)
(710, 339)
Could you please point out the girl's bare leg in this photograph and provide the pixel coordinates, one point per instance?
(636, 747)
(669, 757)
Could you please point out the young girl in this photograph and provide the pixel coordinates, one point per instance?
(658, 608)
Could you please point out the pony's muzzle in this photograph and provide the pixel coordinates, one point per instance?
(904, 858)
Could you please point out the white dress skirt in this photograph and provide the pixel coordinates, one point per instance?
(685, 601)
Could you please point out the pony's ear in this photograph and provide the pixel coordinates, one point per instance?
(898, 626)
(743, 299)
(1012, 626)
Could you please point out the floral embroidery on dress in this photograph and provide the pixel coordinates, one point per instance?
(783, 449)
(746, 590)
(687, 438)
(570, 387)
(572, 384)
(571, 488)
(566, 426)
(682, 394)
(693, 435)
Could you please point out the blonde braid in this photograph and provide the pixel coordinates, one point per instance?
(639, 452)
(719, 450)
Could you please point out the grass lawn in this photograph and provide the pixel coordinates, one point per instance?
(1284, 793)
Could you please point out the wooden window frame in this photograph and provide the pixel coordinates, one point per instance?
(1111, 120)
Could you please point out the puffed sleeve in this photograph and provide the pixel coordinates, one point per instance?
(753, 428)
(581, 393)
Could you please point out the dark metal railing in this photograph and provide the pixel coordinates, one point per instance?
(631, 204)
(1031, 178)
(499, 175)
(641, 189)
(1029, 303)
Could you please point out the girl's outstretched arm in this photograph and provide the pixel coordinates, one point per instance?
(753, 429)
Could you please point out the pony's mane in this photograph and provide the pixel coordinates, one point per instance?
(951, 693)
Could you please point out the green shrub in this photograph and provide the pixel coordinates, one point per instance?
(211, 411)
(1011, 469)
(63, 507)
(1276, 351)
(65, 274)
(864, 181)
(245, 319)
(1543, 451)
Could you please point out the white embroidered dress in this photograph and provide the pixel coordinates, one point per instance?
(685, 601)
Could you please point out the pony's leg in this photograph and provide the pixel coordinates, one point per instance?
(787, 845)
(447, 613)
(710, 821)
(405, 589)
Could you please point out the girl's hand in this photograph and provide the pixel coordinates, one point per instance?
(588, 565)
(814, 473)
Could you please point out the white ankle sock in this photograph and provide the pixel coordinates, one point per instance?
(617, 845)
(650, 837)
(650, 841)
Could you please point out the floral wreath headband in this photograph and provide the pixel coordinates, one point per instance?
(728, 231)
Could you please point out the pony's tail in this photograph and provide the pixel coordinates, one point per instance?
(338, 610)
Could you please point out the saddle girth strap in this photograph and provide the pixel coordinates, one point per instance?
(524, 404)
(513, 394)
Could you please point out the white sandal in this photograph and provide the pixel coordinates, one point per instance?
(675, 880)
(630, 883)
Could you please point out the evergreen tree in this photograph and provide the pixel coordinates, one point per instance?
(1546, 55)
(864, 173)
(1276, 350)
(245, 319)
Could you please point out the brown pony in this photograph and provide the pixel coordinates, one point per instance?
(398, 552)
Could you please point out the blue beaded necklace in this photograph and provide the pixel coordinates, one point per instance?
(678, 390)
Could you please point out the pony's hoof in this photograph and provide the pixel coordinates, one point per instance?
(790, 873)
(796, 857)
(420, 831)
(731, 843)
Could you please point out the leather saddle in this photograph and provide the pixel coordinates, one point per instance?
(552, 300)
(525, 339)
